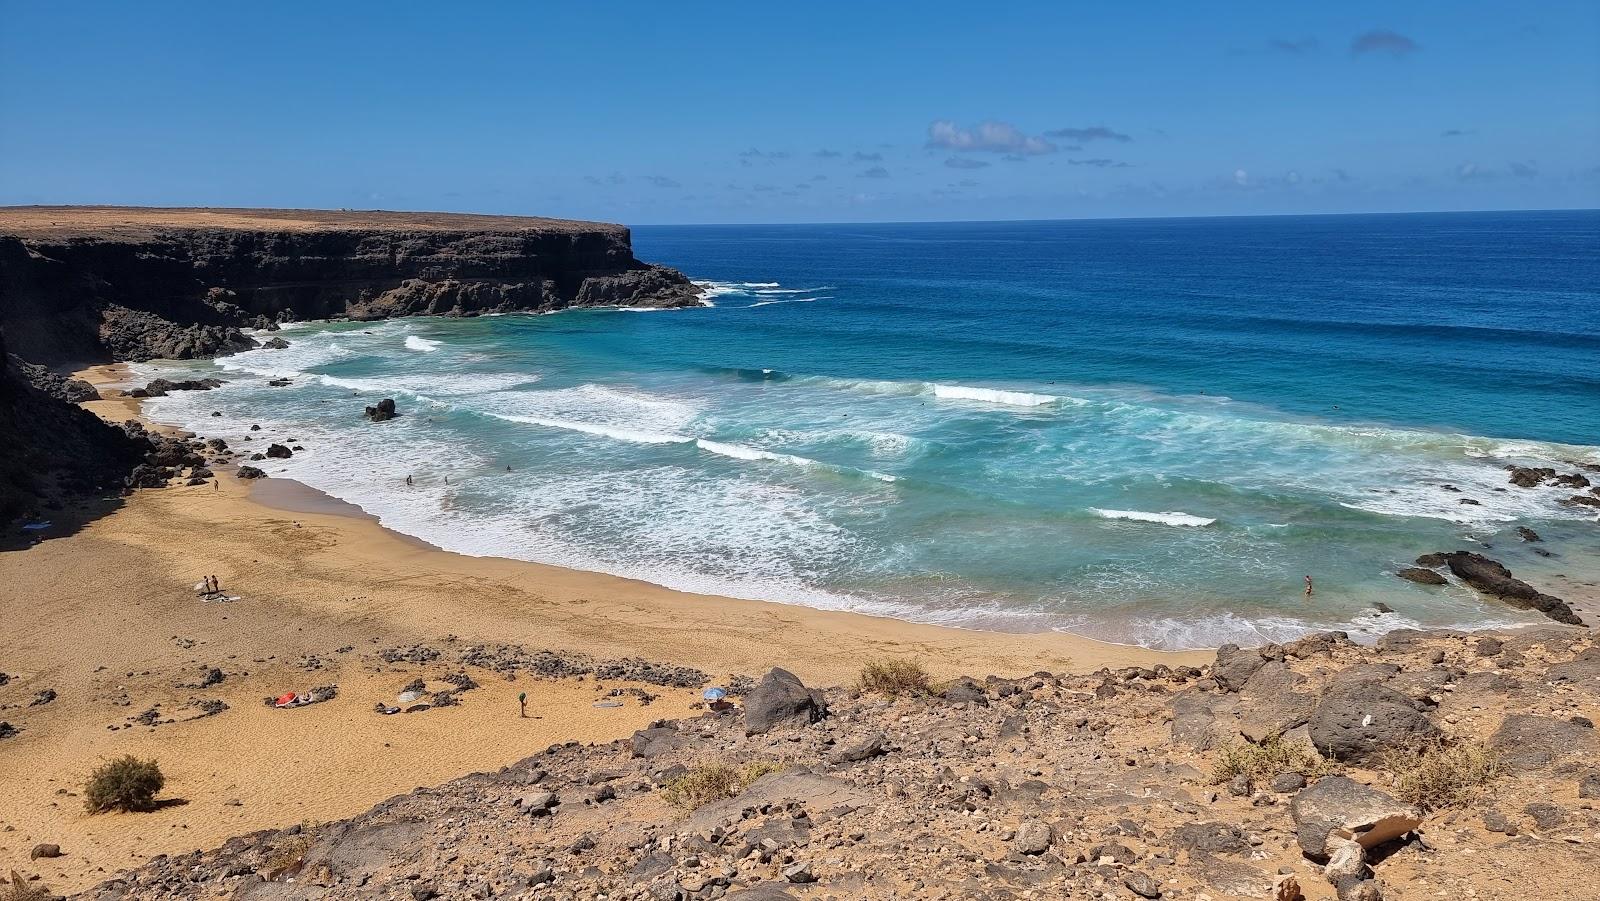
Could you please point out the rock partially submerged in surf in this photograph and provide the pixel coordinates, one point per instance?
(161, 387)
(1493, 578)
(1534, 476)
(384, 410)
(1421, 576)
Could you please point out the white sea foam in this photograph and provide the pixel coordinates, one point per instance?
(634, 436)
(1171, 518)
(993, 396)
(741, 452)
(423, 344)
(768, 303)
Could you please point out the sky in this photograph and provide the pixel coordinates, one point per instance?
(706, 112)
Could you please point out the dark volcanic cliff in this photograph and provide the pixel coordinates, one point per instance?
(80, 284)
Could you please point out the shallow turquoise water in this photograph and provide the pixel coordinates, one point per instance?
(1144, 431)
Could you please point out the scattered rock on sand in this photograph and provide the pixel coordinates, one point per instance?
(1341, 807)
(250, 472)
(45, 850)
(1359, 720)
(781, 697)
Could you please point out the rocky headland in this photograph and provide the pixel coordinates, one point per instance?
(83, 285)
(1432, 765)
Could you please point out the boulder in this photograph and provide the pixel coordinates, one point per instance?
(250, 472)
(871, 745)
(1358, 720)
(275, 343)
(382, 411)
(1234, 666)
(279, 452)
(1528, 741)
(966, 689)
(1528, 534)
(1422, 576)
(1033, 837)
(780, 697)
(656, 741)
(1338, 807)
(46, 850)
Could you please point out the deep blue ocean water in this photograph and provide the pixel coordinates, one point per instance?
(1141, 430)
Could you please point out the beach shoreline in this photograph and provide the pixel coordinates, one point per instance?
(107, 618)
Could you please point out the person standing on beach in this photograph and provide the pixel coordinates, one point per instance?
(522, 702)
(1308, 586)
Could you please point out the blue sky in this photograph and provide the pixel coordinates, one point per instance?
(722, 112)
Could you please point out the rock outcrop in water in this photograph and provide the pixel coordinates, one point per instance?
(82, 284)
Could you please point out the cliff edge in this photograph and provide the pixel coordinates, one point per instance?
(98, 284)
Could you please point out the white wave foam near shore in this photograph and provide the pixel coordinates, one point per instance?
(426, 345)
(993, 396)
(1170, 518)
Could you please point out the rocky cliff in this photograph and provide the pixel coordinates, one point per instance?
(84, 284)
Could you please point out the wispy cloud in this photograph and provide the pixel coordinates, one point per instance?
(1100, 163)
(661, 181)
(861, 157)
(1524, 170)
(1454, 133)
(827, 154)
(965, 162)
(1085, 135)
(876, 172)
(987, 137)
(1383, 41)
(754, 154)
(1296, 46)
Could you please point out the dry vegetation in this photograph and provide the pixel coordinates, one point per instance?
(893, 677)
(714, 782)
(20, 890)
(1271, 757)
(126, 784)
(1440, 774)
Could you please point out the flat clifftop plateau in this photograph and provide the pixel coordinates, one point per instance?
(134, 222)
(100, 284)
(1435, 764)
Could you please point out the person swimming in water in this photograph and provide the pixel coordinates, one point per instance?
(1308, 586)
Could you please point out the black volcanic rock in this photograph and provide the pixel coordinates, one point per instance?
(81, 284)
(52, 451)
(1421, 576)
(1492, 578)
(384, 410)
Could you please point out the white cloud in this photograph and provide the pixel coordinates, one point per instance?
(987, 137)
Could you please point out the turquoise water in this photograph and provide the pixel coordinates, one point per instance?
(1145, 431)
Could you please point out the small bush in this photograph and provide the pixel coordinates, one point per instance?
(1268, 759)
(1437, 774)
(125, 784)
(894, 677)
(714, 782)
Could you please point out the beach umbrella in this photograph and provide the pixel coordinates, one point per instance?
(715, 694)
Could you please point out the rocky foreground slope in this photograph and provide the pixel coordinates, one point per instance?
(1436, 765)
(97, 284)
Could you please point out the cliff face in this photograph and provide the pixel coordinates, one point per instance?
(94, 285)
(52, 451)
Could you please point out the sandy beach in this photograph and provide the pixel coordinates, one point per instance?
(108, 619)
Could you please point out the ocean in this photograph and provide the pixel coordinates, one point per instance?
(1144, 431)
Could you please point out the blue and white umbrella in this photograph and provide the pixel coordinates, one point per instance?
(715, 694)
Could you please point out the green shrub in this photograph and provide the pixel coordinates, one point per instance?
(125, 784)
(894, 677)
(715, 782)
(1438, 774)
(1268, 759)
